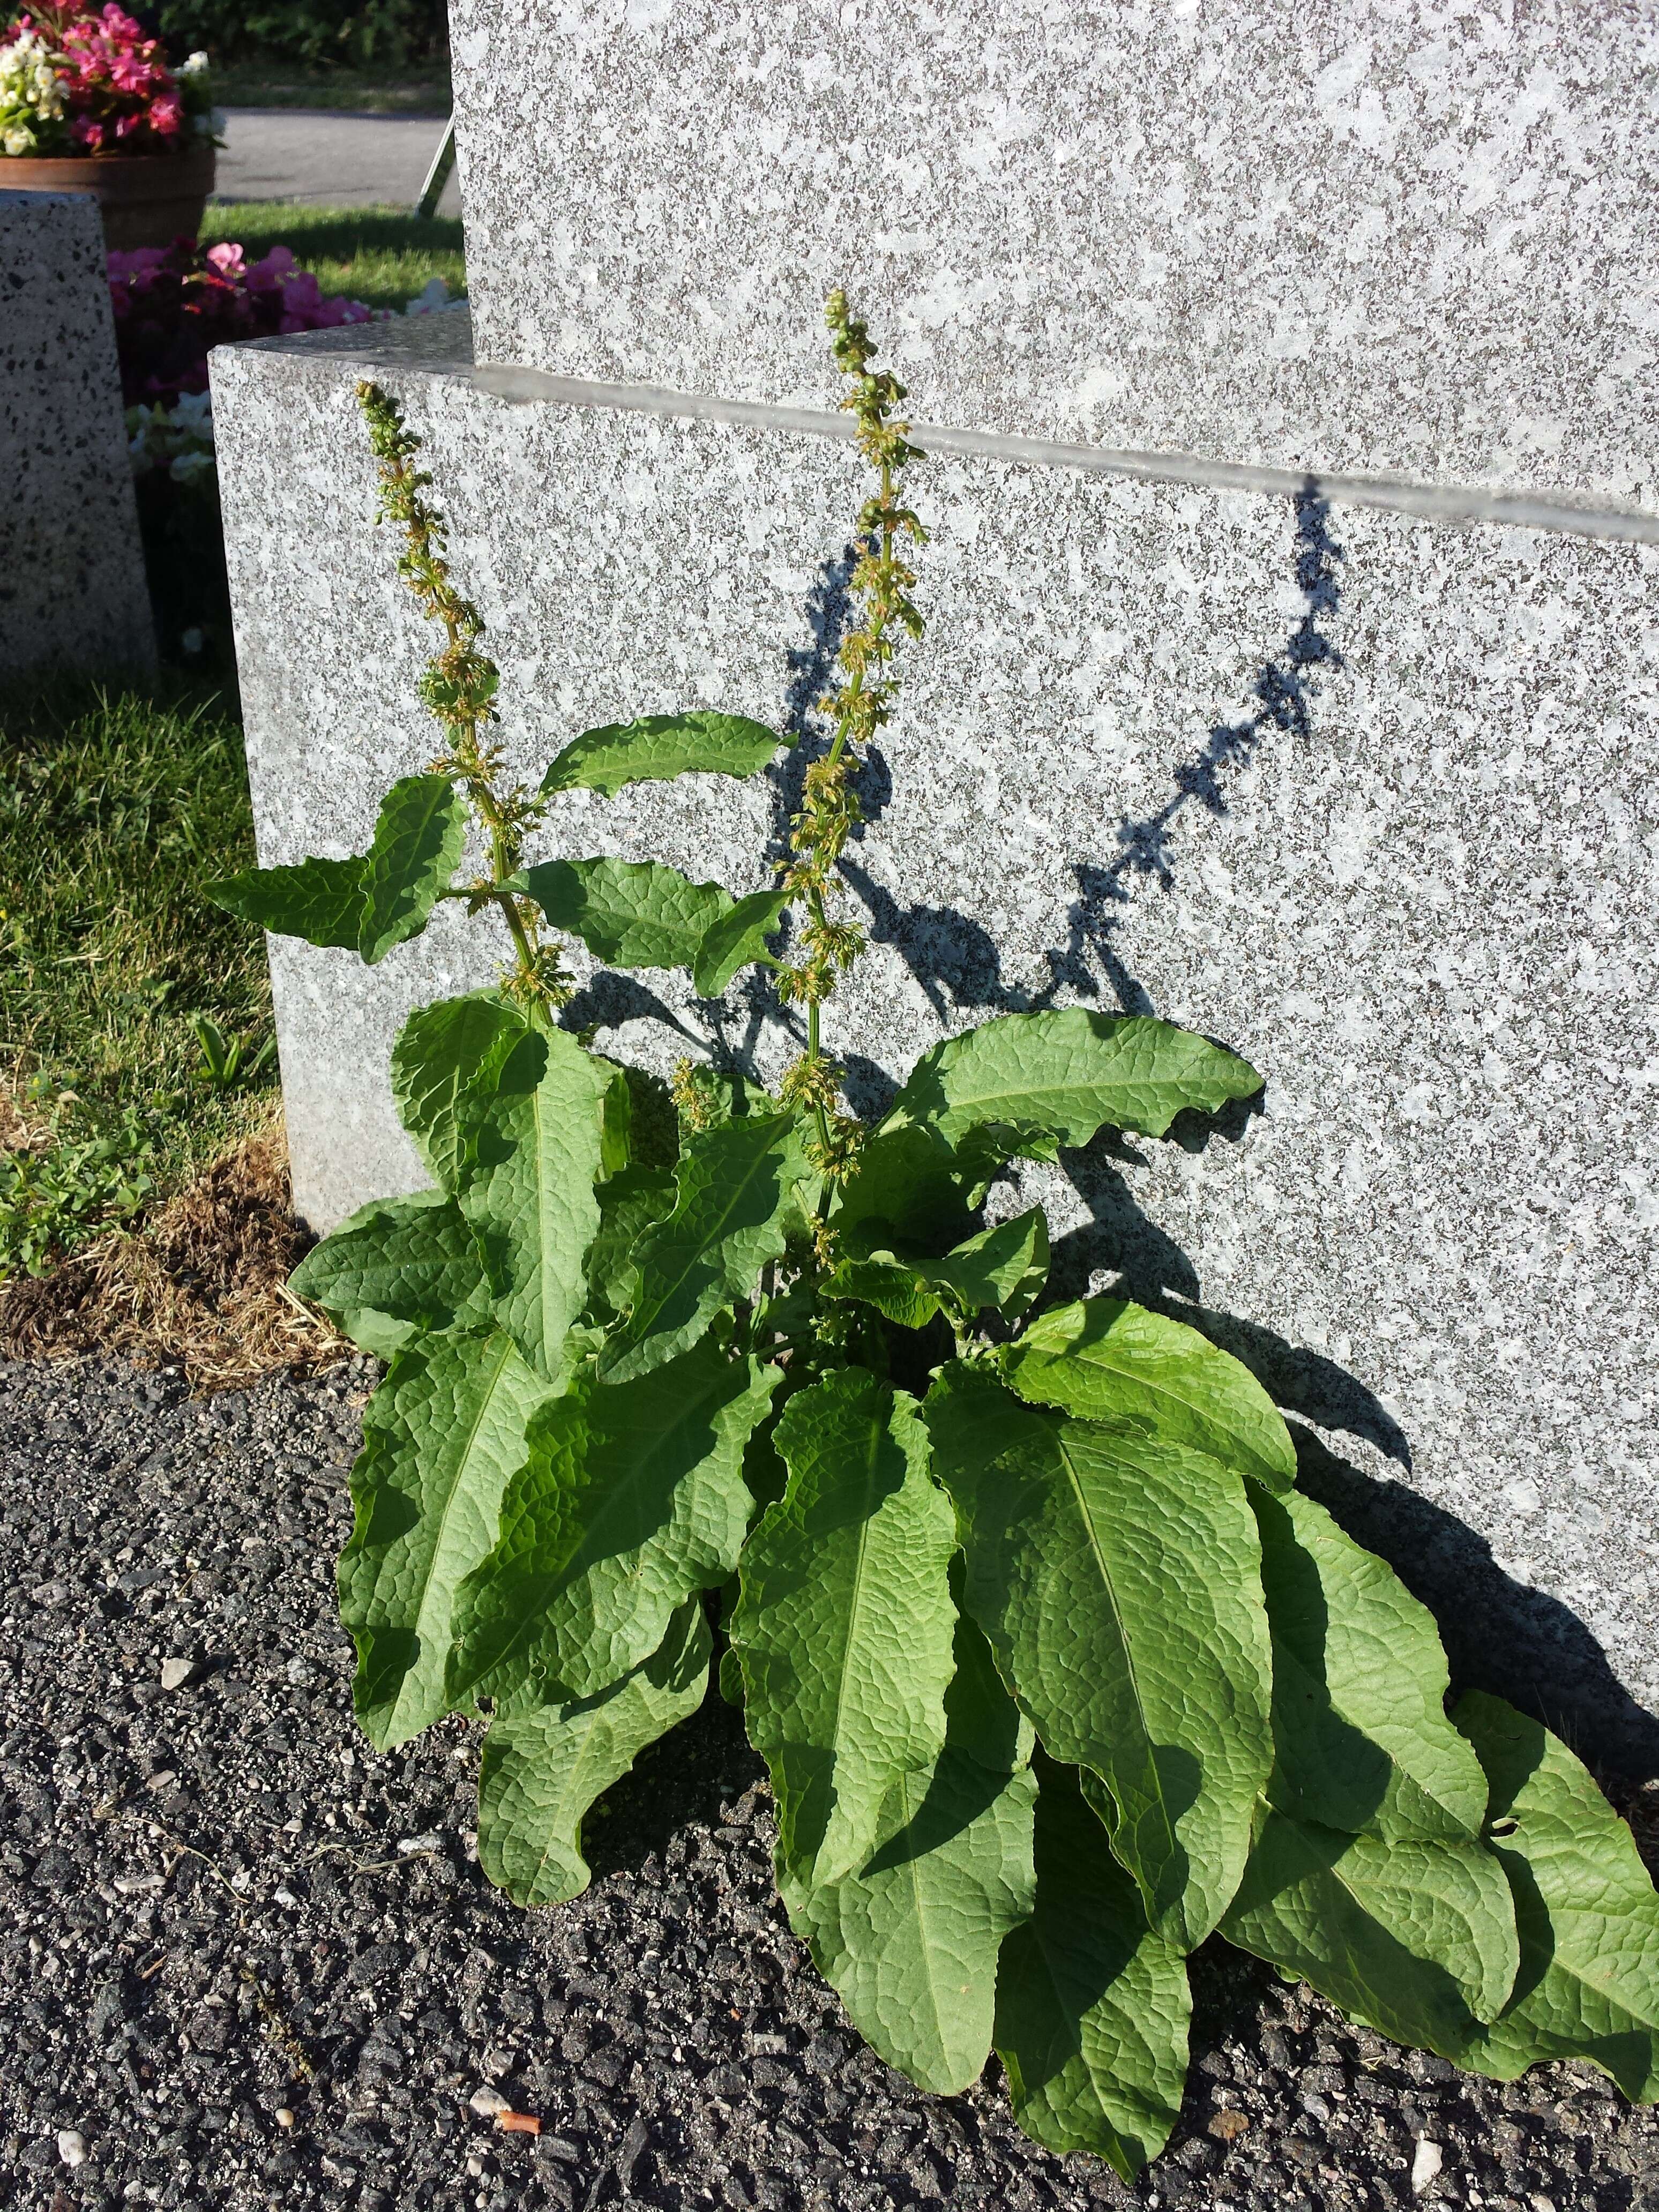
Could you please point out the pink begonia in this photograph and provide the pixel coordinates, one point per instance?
(114, 89)
(172, 306)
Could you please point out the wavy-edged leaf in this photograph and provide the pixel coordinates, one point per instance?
(1065, 1073)
(737, 939)
(1004, 1267)
(444, 1067)
(1585, 1908)
(905, 1188)
(631, 1498)
(527, 1184)
(632, 1201)
(321, 901)
(895, 1291)
(1093, 2008)
(416, 850)
(1119, 1583)
(910, 1942)
(844, 1625)
(629, 913)
(734, 1197)
(658, 746)
(1107, 1360)
(1416, 1938)
(443, 1436)
(396, 1268)
(543, 1768)
(1361, 1737)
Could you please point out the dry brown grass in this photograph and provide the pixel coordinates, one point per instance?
(202, 1285)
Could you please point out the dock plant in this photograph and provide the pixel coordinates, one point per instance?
(1056, 1671)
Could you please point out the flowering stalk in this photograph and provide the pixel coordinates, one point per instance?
(459, 690)
(858, 706)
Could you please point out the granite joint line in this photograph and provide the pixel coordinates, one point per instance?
(1433, 502)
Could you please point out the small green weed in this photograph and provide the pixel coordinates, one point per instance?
(86, 1177)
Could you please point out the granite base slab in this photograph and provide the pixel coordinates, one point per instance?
(1371, 800)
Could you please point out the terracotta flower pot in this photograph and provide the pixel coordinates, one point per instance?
(147, 199)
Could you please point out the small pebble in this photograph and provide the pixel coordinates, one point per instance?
(175, 1673)
(1225, 2124)
(487, 2102)
(284, 2117)
(1426, 2164)
(71, 2146)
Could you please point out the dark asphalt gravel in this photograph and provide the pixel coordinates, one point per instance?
(244, 1962)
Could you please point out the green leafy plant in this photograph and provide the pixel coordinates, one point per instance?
(228, 1062)
(83, 1173)
(1055, 1670)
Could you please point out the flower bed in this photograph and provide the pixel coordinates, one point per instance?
(77, 81)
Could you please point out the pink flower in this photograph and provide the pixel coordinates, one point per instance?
(226, 258)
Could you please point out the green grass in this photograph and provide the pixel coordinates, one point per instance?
(382, 256)
(114, 808)
(374, 92)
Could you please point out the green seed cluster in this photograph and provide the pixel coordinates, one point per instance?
(457, 688)
(856, 708)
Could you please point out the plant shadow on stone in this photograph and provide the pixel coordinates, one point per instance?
(1055, 1670)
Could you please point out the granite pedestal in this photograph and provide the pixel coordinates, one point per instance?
(72, 591)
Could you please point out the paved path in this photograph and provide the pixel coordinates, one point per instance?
(330, 158)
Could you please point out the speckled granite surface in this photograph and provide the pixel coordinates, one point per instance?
(72, 591)
(1371, 800)
(1400, 239)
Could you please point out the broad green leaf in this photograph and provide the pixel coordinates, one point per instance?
(1005, 1267)
(444, 1067)
(632, 1201)
(616, 1119)
(905, 1188)
(911, 1941)
(1092, 2007)
(1585, 1908)
(416, 849)
(542, 1769)
(734, 1194)
(1411, 1937)
(631, 1498)
(737, 939)
(1110, 1361)
(845, 1621)
(629, 914)
(1119, 1586)
(441, 1436)
(321, 901)
(1066, 1073)
(894, 1289)
(527, 1186)
(398, 1268)
(658, 746)
(1362, 1740)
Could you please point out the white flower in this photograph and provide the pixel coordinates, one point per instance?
(186, 467)
(196, 65)
(436, 294)
(194, 413)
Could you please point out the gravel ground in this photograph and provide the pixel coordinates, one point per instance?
(244, 1962)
